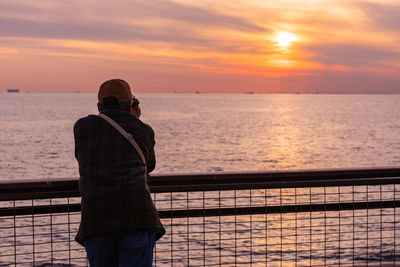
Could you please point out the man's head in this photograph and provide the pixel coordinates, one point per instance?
(117, 94)
(115, 91)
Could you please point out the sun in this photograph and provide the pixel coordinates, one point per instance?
(285, 39)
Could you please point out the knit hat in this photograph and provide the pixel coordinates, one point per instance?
(117, 88)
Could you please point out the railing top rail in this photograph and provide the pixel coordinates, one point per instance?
(28, 189)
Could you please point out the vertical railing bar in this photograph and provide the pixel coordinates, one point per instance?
(235, 228)
(281, 226)
(204, 230)
(251, 230)
(296, 233)
(354, 223)
(381, 227)
(15, 236)
(310, 215)
(325, 229)
(266, 225)
(51, 233)
(394, 224)
(367, 224)
(172, 225)
(69, 231)
(340, 216)
(33, 235)
(187, 229)
(155, 247)
(219, 228)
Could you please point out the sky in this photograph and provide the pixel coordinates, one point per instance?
(183, 46)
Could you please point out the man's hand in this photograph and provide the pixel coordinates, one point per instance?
(135, 111)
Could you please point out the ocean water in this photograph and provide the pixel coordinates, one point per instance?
(213, 133)
(210, 132)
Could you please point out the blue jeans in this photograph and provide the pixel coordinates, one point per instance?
(120, 249)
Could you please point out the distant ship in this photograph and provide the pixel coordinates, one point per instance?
(197, 92)
(13, 90)
(249, 93)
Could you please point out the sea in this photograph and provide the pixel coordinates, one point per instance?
(206, 133)
(199, 133)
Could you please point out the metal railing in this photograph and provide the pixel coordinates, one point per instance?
(302, 218)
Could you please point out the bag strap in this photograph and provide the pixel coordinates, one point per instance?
(127, 136)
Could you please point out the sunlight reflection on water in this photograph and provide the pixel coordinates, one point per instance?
(205, 132)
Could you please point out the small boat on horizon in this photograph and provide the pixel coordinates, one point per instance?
(12, 90)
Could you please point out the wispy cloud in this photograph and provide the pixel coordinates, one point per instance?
(104, 21)
(353, 55)
(384, 16)
(174, 24)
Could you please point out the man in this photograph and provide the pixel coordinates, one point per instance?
(119, 222)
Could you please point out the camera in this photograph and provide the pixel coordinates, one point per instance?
(135, 101)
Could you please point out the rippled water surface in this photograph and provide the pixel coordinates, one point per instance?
(203, 133)
(207, 132)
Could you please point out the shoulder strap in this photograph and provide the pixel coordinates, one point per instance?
(127, 136)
